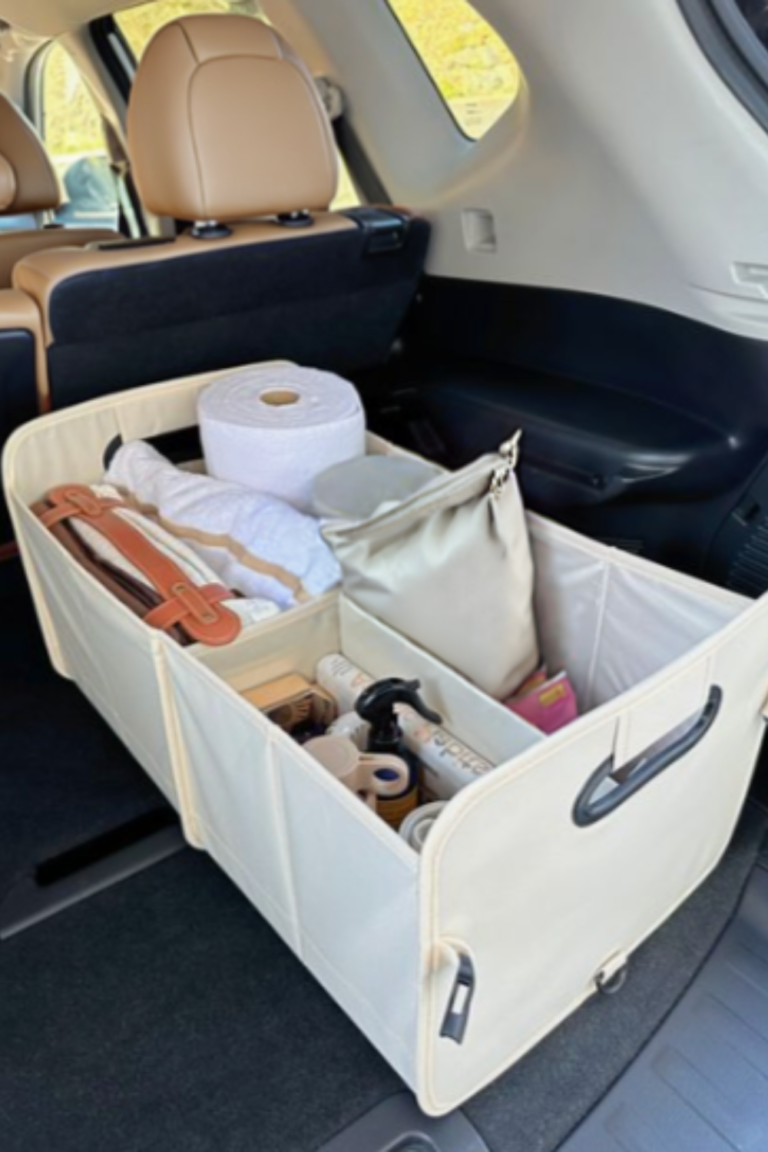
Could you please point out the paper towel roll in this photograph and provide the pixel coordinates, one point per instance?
(275, 428)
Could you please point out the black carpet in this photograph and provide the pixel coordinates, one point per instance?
(64, 776)
(165, 1016)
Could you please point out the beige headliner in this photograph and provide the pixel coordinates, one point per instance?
(54, 17)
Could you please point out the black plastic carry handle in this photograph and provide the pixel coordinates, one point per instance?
(589, 808)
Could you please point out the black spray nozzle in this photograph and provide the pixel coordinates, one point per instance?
(377, 705)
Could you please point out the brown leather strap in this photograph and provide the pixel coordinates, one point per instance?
(79, 504)
(172, 612)
(133, 594)
(197, 610)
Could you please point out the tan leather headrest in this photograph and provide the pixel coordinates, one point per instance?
(27, 180)
(225, 123)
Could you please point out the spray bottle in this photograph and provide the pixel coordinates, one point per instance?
(376, 705)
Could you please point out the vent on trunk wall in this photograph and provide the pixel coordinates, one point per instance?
(739, 556)
(748, 570)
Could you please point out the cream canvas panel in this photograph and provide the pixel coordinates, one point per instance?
(340, 886)
(545, 904)
(105, 649)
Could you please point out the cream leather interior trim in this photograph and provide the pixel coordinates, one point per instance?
(17, 310)
(16, 246)
(40, 275)
(37, 188)
(225, 122)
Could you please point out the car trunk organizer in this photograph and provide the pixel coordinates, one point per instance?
(539, 879)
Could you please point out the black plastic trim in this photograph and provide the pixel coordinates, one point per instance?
(385, 229)
(361, 169)
(456, 1017)
(89, 868)
(591, 807)
(133, 242)
(101, 30)
(398, 1125)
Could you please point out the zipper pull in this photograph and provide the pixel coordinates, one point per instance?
(510, 454)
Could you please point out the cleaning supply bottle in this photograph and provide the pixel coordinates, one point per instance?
(376, 705)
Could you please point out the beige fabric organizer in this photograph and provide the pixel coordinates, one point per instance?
(529, 897)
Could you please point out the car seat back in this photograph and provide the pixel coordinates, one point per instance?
(228, 133)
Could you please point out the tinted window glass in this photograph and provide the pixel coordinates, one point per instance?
(73, 133)
(471, 66)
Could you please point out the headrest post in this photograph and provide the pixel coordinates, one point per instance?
(209, 230)
(301, 219)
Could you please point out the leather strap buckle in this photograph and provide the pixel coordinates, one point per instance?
(76, 501)
(85, 502)
(197, 612)
(194, 604)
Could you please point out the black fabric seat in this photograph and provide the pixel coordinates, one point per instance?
(119, 327)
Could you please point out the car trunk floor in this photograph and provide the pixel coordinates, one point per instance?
(65, 778)
(534, 1107)
(701, 1081)
(164, 1014)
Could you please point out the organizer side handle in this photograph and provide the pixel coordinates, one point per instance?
(590, 806)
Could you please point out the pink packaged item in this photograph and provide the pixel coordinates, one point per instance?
(546, 704)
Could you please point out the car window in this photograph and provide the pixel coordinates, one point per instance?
(138, 26)
(72, 130)
(472, 68)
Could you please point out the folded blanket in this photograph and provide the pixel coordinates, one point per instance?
(251, 610)
(255, 543)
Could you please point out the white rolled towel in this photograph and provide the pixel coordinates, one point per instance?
(275, 427)
(257, 544)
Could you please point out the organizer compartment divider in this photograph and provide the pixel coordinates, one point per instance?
(337, 883)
